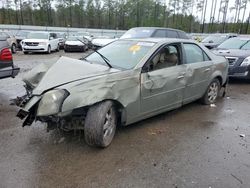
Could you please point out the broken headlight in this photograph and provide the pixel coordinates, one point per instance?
(51, 102)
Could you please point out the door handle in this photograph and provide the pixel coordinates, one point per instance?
(206, 70)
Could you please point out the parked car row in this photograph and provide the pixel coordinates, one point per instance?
(145, 72)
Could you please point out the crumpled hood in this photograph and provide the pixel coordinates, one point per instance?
(67, 70)
(232, 52)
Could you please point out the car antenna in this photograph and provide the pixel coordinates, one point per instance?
(102, 56)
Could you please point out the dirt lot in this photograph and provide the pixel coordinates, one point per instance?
(195, 146)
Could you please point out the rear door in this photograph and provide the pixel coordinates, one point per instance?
(199, 70)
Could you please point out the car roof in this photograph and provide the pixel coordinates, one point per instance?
(154, 28)
(160, 40)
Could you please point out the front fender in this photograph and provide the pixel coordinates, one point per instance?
(125, 90)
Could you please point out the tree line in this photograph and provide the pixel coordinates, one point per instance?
(187, 15)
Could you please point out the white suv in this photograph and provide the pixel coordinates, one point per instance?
(40, 42)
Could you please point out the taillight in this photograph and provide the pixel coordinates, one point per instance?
(5, 55)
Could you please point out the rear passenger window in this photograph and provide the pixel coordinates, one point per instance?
(172, 34)
(160, 33)
(194, 54)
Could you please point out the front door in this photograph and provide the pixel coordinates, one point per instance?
(162, 87)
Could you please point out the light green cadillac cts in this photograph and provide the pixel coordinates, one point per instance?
(124, 82)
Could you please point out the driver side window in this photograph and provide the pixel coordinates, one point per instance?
(168, 56)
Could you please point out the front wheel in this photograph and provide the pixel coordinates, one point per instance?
(212, 92)
(49, 50)
(100, 124)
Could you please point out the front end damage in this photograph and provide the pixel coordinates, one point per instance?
(62, 98)
(41, 108)
(30, 109)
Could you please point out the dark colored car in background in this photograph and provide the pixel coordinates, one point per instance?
(74, 44)
(62, 38)
(7, 68)
(20, 36)
(213, 41)
(237, 51)
(154, 32)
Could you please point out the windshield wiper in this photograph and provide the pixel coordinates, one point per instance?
(106, 60)
(243, 44)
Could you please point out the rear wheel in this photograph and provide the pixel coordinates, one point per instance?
(25, 53)
(100, 124)
(212, 92)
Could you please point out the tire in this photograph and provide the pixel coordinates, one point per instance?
(100, 124)
(212, 92)
(13, 48)
(49, 50)
(25, 53)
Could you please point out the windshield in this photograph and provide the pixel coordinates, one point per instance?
(122, 54)
(214, 39)
(60, 35)
(137, 33)
(234, 43)
(72, 38)
(38, 36)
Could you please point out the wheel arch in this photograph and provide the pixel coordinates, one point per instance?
(218, 75)
(121, 110)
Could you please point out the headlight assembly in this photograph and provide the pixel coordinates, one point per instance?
(51, 102)
(245, 62)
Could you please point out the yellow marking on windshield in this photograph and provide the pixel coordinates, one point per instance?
(135, 48)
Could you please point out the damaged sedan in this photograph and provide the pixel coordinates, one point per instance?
(124, 82)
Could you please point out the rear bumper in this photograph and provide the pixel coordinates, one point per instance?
(239, 72)
(9, 72)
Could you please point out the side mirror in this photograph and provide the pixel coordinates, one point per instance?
(147, 67)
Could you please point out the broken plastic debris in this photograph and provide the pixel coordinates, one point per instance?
(156, 131)
(242, 135)
(212, 105)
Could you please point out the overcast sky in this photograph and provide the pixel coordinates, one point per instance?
(230, 14)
